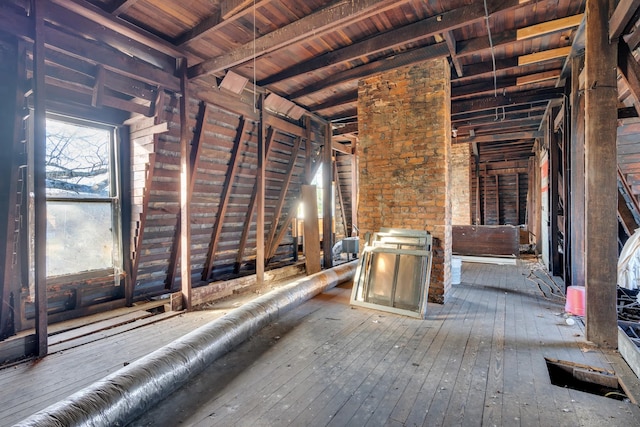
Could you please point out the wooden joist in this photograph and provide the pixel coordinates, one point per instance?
(412, 33)
(224, 200)
(544, 55)
(549, 27)
(317, 23)
(281, 200)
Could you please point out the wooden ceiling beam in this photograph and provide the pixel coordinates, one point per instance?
(347, 128)
(228, 8)
(88, 28)
(501, 85)
(450, 39)
(630, 71)
(621, 17)
(341, 99)
(122, 6)
(492, 126)
(544, 55)
(113, 60)
(201, 29)
(403, 59)
(538, 77)
(492, 102)
(411, 33)
(334, 16)
(499, 137)
(518, 111)
(126, 29)
(548, 27)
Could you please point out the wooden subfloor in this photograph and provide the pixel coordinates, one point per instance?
(476, 360)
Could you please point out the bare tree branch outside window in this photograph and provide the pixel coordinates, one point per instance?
(77, 162)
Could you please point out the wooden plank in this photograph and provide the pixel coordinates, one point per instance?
(630, 71)
(577, 178)
(414, 32)
(497, 137)
(538, 77)
(327, 198)
(39, 176)
(194, 163)
(450, 39)
(553, 141)
(544, 55)
(224, 199)
(281, 200)
(319, 23)
(402, 59)
(11, 135)
(260, 194)
(252, 207)
(338, 191)
(623, 13)
(139, 238)
(16, 348)
(485, 240)
(311, 229)
(213, 23)
(490, 103)
(601, 178)
(113, 330)
(186, 188)
(97, 326)
(120, 26)
(549, 27)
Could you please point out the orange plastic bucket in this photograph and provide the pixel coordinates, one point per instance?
(575, 300)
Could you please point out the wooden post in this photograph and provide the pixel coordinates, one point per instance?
(601, 180)
(554, 197)
(185, 190)
(354, 187)
(577, 181)
(10, 139)
(311, 229)
(327, 198)
(39, 174)
(262, 161)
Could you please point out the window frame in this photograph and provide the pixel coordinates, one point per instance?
(114, 199)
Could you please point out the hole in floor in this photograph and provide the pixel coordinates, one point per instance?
(585, 378)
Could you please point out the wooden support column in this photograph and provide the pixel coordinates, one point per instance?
(39, 174)
(354, 187)
(327, 196)
(260, 199)
(554, 196)
(10, 161)
(577, 177)
(601, 179)
(185, 190)
(311, 229)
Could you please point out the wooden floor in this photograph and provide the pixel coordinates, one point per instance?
(476, 360)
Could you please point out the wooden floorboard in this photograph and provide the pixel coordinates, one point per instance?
(479, 359)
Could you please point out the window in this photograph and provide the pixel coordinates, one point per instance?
(82, 197)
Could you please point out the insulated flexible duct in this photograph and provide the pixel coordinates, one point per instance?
(127, 393)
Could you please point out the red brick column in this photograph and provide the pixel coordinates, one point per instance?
(404, 130)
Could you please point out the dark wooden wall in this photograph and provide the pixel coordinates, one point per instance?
(503, 185)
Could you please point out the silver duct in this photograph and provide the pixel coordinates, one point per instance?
(126, 394)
